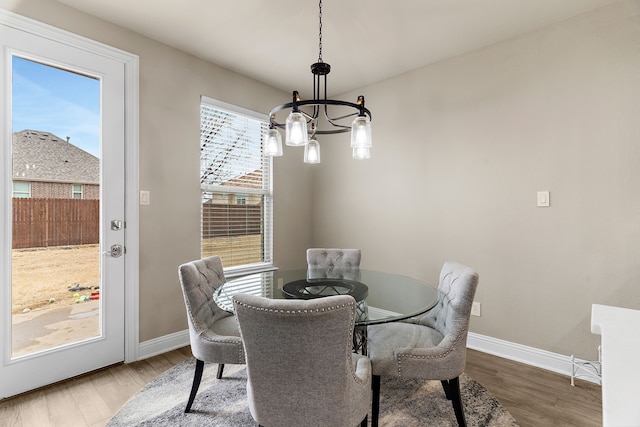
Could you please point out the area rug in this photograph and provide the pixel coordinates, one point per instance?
(223, 402)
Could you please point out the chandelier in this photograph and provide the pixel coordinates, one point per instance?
(309, 118)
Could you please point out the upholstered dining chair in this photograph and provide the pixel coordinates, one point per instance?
(213, 332)
(333, 263)
(432, 346)
(325, 258)
(300, 367)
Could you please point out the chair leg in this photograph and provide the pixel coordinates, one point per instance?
(197, 376)
(365, 422)
(456, 400)
(445, 387)
(375, 404)
(220, 369)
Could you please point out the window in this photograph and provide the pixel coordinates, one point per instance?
(77, 191)
(21, 189)
(236, 189)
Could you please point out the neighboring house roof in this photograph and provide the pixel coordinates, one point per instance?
(42, 156)
(250, 180)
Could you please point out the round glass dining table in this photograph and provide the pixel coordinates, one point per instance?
(381, 297)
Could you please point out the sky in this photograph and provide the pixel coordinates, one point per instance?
(60, 102)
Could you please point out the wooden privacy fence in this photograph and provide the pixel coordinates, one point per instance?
(55, 222)
(230, 220)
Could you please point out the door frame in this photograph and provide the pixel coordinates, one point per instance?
(131, 66)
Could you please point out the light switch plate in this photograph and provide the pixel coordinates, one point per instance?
(475, 309)
(145, 197)
(543, 199)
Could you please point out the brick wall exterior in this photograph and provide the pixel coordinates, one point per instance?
(90, 191)
(56, 190)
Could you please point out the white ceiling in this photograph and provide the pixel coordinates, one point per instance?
(364, 41)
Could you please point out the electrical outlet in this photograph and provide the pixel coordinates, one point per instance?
(475, 309)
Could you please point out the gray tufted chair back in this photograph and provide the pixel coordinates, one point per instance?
(199, 280)
(333, 263)
(300, 366)
(449, 318)
(456, 290)
(333, 258)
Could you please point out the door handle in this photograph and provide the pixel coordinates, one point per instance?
(115, 251)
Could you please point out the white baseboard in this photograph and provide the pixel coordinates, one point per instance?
(163, 344)
(532, 356)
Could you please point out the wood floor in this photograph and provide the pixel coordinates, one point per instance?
(534, 397)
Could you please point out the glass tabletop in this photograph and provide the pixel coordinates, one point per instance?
(382, 297)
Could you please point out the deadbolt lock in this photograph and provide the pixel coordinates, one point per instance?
(117, 225)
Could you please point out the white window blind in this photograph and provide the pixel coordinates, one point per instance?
(254, 284)
(236, 189)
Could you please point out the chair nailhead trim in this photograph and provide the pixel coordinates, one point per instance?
(440, 356)
(281, 311)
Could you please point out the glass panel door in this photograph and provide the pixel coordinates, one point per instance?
(62, 176)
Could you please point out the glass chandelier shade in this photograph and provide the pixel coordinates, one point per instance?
(361, 137)
(296, 130)
(312, 152)
(361, 153)
(273, 144)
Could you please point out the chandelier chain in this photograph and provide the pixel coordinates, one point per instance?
(320, 32)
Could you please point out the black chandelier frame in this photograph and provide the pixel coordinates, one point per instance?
(320, 70)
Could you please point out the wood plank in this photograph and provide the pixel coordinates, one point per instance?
(10, 413)
(34, 410)
(60, 403)
(90, 403)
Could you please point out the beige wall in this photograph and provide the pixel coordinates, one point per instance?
(171, 83)
(462, 147)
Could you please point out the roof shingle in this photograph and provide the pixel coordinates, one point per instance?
(42, 156)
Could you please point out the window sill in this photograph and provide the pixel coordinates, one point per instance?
(232, 272)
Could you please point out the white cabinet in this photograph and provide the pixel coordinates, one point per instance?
(620, 353)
